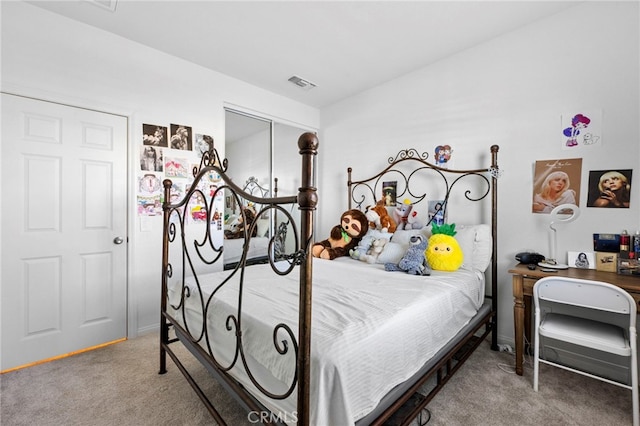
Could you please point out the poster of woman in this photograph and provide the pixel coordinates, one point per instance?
(609, 188)
(556, 182)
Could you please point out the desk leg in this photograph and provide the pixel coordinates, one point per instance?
(518, 320)
(528, 350)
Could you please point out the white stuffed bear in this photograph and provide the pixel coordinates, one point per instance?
(367, 241)
(375, 250)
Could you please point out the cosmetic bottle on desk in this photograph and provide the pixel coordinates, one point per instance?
(628, 262)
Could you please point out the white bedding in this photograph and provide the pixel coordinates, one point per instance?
(372, 329)
(258, 247)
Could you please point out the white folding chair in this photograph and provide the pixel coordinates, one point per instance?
(587, 314)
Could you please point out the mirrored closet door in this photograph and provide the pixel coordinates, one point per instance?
(263, 157)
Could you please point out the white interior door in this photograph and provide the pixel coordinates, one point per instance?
(64, 251)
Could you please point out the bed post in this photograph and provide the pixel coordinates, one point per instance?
(495, 171)
(164, 326)
(307, 200)
(349, 170)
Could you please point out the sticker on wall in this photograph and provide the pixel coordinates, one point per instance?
(180, 137)
(609, 188)
(154, 135)
(443, 156)
(556, 182)
(581, 129)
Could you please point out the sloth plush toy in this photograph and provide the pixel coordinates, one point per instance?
(353, 226)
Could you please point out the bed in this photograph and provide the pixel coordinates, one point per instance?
(352, 352)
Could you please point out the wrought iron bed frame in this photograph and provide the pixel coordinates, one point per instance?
(306, 200)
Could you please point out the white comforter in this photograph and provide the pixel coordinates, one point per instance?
(258, 247)
(372, 330)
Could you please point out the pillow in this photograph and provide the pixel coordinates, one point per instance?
(476, 244)
(392, 252)
(403, 236)
(263, 227)
(474, 240)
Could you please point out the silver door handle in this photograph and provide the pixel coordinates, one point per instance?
(118, 240)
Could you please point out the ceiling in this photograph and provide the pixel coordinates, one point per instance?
(344, 47)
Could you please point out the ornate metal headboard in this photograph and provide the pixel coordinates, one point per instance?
(408, 168)
(414, 177)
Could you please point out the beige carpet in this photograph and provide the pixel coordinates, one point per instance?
(120, 385)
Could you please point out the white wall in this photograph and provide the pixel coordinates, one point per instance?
(510, 91)
(50, 57)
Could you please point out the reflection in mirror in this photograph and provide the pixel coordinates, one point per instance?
(248, 152)
(260, 153)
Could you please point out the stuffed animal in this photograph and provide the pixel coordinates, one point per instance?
(374, 251)
(414, 221)
(344, 237)
(237, 226)
(379, 218)
(363, 246)
(444, 252)
(413, 262)
(365, 243)
(405, 217)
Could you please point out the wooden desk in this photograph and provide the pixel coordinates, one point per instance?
(523, 281)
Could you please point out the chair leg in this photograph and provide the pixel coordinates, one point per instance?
(634, 376)
(536, 352)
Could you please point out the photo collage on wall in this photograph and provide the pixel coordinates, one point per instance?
(172, 152)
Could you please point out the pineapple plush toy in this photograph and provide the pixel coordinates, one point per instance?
(443, 252)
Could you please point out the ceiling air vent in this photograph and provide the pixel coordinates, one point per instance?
(109, 5)
(302, 83)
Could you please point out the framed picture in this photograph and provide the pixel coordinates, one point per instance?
(581, 259)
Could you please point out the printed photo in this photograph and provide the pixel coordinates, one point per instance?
(436, 212)
(150, 158)
(154, 135)
(389, 192)
(556, 182)
(203, 144)
(180, 137)
(609, 188)
(581, 259)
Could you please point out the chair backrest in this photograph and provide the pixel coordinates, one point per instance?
(585, 294)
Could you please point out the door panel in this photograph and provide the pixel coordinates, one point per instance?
(64, 280)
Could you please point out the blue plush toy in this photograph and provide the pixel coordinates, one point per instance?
(413, 262)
